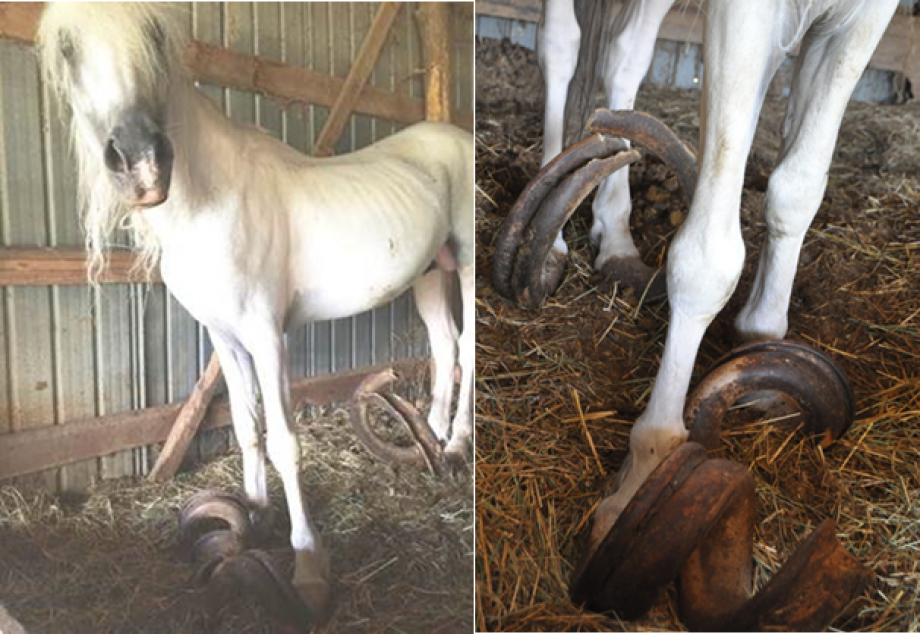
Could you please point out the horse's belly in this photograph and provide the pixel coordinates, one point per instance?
(344, 295)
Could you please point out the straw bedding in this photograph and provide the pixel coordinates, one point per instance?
(558, 389)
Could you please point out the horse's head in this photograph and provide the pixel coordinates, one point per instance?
(111, 63)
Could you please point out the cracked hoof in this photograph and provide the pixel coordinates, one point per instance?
(632, 272)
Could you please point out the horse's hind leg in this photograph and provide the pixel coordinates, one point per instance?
(462, 433)
(266, 344)
(431, 299)
(628, 59)
(826, 72)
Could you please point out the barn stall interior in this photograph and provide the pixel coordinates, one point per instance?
(558, 388)
(94, 379)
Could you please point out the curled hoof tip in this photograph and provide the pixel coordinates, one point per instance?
(634, 274)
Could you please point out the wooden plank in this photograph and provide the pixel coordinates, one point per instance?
(40, 449)
(187, 423)
(435, 30)
(19, 20)
(63, 266)
(247, 72)
(360, 70)
(524, 10)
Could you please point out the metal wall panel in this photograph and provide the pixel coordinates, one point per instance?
(69, 353)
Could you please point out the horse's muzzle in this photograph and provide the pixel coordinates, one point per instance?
(139, 158)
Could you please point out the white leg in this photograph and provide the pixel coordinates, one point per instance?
(463, 420)
(432, 302)
(705, 259)
(558, 37)
(827, 70)
(629, 57)
(266, 344)
(236, 365)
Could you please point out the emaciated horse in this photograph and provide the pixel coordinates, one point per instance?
(744, 44)
(254, 238)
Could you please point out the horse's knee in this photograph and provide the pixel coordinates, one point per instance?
(704, 266)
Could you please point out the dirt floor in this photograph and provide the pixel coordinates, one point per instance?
(558, 389)
(401, 543)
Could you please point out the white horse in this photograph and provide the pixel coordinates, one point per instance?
(744, 44)
(254, 238)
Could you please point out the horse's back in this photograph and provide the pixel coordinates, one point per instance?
(446, 152)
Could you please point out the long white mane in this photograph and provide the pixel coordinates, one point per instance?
(67, 30)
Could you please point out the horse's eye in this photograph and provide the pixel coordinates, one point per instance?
(157, 34)
(66, 47)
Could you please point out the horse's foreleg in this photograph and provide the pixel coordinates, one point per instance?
(236, 365)
(826, 72)
(463, 420)
(432, 302)
(311, 566)
(632, 46)
(558, 38)
(705, 259)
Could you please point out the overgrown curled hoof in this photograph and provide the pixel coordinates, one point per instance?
(631, 272)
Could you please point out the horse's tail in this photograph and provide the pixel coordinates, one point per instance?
(596, 19)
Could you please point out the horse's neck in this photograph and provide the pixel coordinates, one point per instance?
(201, 144)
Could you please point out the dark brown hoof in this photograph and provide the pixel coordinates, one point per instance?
(644, 281)
(811, 378)
(426, 450)
(521, 269)
(693, 521)
(209, 511)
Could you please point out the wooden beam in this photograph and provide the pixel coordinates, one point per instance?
(19, 20)
(63, 266)
(288, 84)
(524, 10)
(187, 423)
(36, 450)
(435, 28)
(360, 70)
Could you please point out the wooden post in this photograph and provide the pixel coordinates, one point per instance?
(360, 70)
(436, 43)
(187, 422)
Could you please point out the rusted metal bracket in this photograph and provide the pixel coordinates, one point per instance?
(693, 519)
(522, 267)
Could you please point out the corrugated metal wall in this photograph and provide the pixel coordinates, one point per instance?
(681, 64)
(68, 355)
